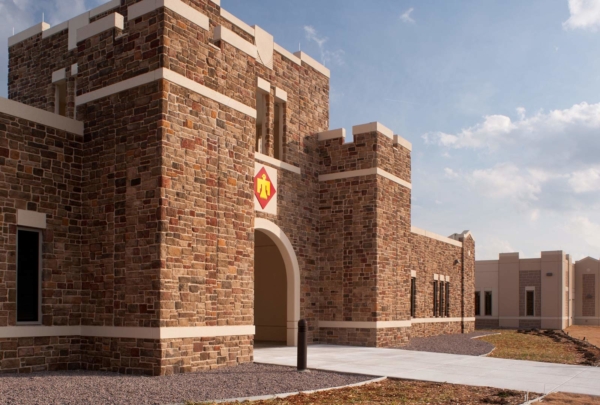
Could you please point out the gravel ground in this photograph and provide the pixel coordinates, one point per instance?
(452, 344)
(87, 387)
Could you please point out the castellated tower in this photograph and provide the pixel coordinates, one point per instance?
(170, 194)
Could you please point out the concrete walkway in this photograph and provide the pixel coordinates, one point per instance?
(456, 369)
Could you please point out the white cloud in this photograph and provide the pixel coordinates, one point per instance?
(534, 215)
(584, 181)
(406, 16)
(584, 228)
(449, 173)
(496, 130)
(508, 181)
(490, 248)
(585, 14)
(327, 56)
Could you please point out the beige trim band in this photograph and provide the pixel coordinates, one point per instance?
(332, 134)
(33, 114)
(277, 163)
(365, 172)
(104, 8)
(237, 22)
(284, 52)
(364, 325)
(177, 6)
(171, 76)
(313, 63)
(28, 33)
(114, 20)
(224, 34)
(435, 236)
(523, 318)
(126, 332)
(441, 320)
(31, 219)
(372, 127)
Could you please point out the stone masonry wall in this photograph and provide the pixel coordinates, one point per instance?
(121, 246)
(26, 355)
(40, 170)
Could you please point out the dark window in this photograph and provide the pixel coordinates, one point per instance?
(61, 98)
(261, 127)
(447, 300)
(413, 297)
(477, 303)
(278, 128)
(435, 298)
(441, 310)
(28, 276)
(488, 303)
(530, 303)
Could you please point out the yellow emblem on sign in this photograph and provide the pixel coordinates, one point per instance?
(263, 188)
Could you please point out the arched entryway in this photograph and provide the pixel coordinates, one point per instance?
(276, 285)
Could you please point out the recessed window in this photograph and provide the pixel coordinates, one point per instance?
(435, 298)
(447, 300)
(488, 303)
(530, 303)
(29, 244)
(261, 127)
(60, 102)
(441, 301)
(477, 303)
(413, 297)
(278, 127)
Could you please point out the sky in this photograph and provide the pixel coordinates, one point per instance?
(500, 99)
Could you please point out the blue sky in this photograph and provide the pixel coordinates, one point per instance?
(500, 98)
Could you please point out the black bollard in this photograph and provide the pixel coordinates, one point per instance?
(302, 345)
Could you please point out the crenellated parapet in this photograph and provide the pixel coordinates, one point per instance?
(375, 149)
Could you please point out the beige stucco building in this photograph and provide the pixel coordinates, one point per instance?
(549, 292)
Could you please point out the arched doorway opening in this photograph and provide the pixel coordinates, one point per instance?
(276, 285)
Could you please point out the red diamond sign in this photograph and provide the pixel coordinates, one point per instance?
(264, 190)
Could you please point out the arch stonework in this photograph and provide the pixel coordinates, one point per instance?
(292, 270)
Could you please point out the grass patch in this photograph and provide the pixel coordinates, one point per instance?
(390, 392)
(570, 399)
(545, 346)
(520, 345)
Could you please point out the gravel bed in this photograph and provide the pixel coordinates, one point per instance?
(90, 387)
(452, 344)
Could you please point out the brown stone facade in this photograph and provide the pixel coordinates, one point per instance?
(148, 245)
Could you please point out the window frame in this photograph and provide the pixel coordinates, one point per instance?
(40, 267)
(279, 114)
(527, 291)
(435, 298)
(485, 309)
(477, 303)
(413, 297)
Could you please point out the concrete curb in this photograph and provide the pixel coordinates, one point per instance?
(289, 394)
(491, 351)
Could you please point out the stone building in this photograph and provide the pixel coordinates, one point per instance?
(170, 193)
(549, 292)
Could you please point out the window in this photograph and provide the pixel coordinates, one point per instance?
(530, 303)
(477, 303)
(435, 298)
(488, 303)
(441, 302)
(413, 297)
(261, 127)
(278, 127)
(28, 275)
(447, 300)
(60, 102)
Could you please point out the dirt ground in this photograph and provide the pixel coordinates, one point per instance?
(590, 333)
(395, 392)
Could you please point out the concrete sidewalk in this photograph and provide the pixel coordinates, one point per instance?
(456, 369)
